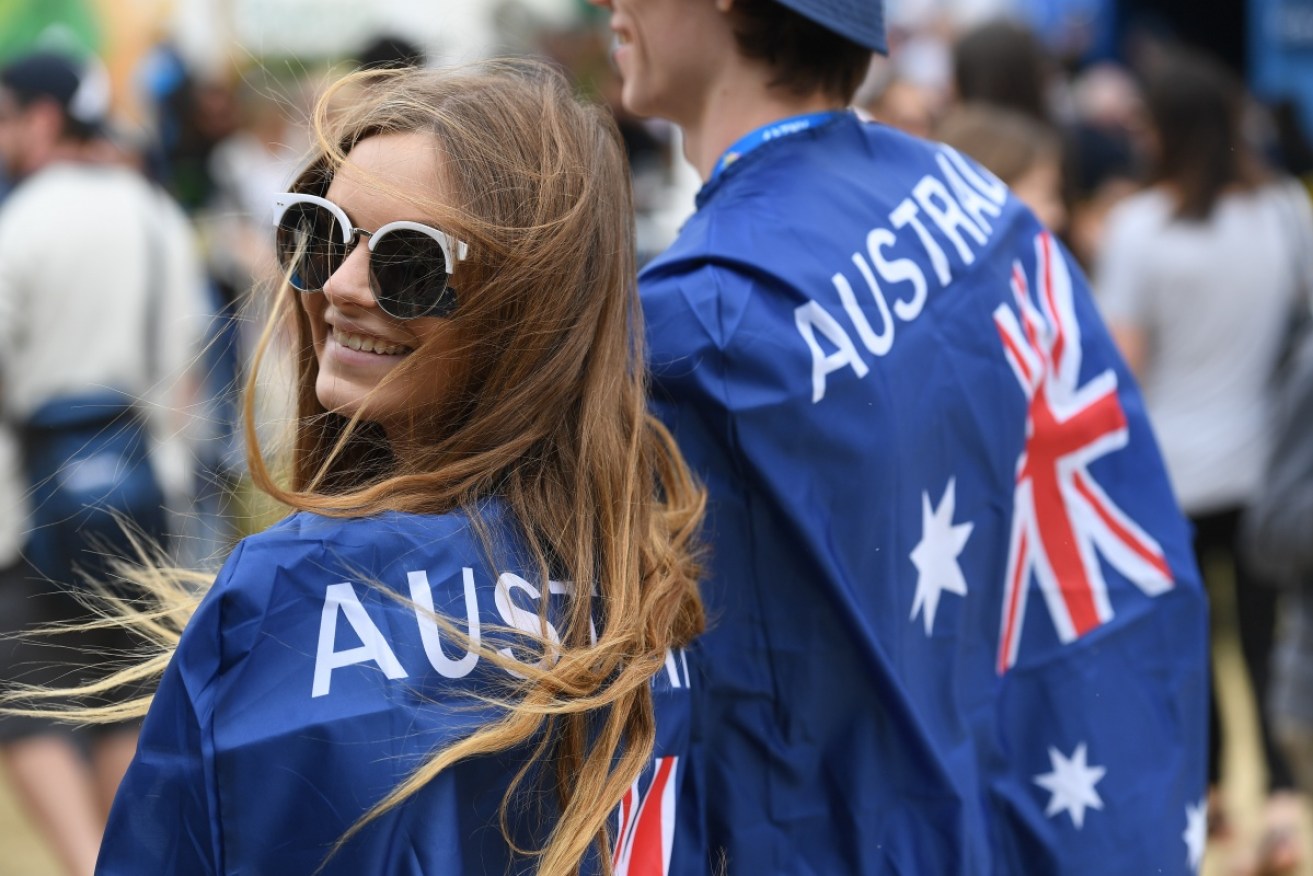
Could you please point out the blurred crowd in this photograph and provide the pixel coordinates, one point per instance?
(1174, 188)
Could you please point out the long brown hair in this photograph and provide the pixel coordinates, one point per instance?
(1197, 108)
(548, 413)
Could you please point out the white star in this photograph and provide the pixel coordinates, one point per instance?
(1072, 785)
(1196, 833)
(936, 555)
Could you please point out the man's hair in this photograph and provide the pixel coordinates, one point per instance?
(805, 56)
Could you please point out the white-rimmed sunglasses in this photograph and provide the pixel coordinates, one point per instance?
(410, 264)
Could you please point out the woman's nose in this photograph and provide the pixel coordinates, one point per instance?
(348, 286)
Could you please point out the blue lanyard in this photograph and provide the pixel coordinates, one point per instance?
(766, 133)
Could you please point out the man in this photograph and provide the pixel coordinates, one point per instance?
(101, 309)
(955, 623)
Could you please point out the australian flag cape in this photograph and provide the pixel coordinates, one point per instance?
(955, 625)
(304, 690)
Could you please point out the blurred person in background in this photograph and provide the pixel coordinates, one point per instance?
(255, 161)
(191, 115)
(901, 103)
(1003, 63)
(1107, 98)
(1001, 66)
(957, 626)
(252, 162)
(1290, 145)
(390, 52)
(1019, 149)
(1197, 278)
(100, 310)
(194, 115)
(1277, 526)
(911, 87)
(1095, 118)
(1103, 152)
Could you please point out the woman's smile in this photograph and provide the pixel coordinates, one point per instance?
(367, 343)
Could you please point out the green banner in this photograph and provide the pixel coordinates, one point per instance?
(66, 25)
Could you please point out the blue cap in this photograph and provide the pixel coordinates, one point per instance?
(80, 89)
(861, 21)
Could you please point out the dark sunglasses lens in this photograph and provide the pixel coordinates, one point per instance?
(310, 246)
(410, 275)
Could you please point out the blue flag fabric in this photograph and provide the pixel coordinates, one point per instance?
(303, 691)
(956, 626)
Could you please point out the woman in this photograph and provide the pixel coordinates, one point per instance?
(1197, 278)
(461, 652)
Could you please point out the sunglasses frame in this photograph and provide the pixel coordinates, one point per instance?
(453, 250)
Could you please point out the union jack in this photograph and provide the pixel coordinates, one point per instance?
(647, 822)
(1062, 520)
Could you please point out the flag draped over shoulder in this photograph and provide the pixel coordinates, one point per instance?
(955, 623)
(313, 679)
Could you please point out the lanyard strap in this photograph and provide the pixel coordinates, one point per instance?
(766, 133)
